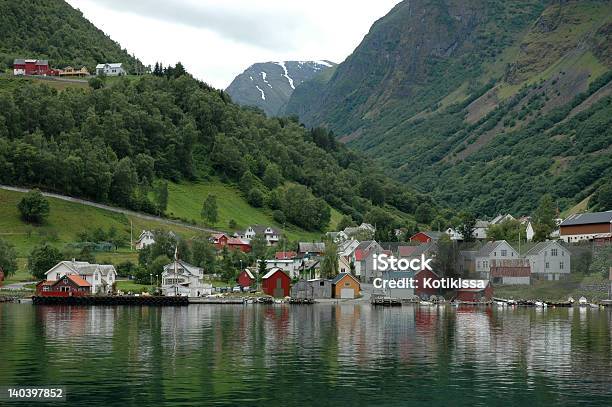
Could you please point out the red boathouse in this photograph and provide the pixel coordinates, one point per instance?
(476, 294)
(246, 278)
(276, 283)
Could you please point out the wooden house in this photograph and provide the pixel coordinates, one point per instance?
(345, 285)
(69, 285)
(476, 294)
(276, 283)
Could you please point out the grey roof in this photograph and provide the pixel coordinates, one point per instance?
(315, 247)
(588, 218)
(433, 234)
(482, 224)
(488, 248)
(19, 61)
(541, 246)
(42, 62)
(260, 229)
(424, 248)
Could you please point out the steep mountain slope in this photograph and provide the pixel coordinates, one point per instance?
(126, 141)
(269, 85)
(53, 30)
(488, 104)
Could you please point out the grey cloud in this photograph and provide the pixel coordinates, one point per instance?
(252, 27)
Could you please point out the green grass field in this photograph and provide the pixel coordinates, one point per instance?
(185, 201)
(554, 290)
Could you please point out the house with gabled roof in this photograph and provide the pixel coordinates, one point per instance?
(426, 236)
(100, 277)
(271, 235)
(346, 286)
(69, 285)
(363, 259)
(587, 226)
(145, 239)
(183, 279)
(549, 260)
(110, 69)
(494, 250)
(314, 248)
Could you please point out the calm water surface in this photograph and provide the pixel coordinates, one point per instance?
(310, 355)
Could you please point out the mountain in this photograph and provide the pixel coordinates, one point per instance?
(53, 30)
(132, 141)
(269, 85)
(487, 104)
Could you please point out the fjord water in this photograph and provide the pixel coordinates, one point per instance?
(324, 354)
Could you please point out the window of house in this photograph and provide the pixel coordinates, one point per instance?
(547, 265)
(347, 284)
(561, 266)
(504, 253)
(321, 283)
(553, 252)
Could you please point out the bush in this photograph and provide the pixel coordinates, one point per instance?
(256, 198)
(33, 207)
(279, 216)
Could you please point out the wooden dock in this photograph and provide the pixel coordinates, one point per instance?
(111, 300)
(386, 302)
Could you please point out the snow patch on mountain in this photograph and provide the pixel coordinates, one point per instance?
(286, 74)
(263, 95)
(263, 76)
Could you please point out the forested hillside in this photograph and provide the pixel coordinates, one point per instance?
(116, 142)
(51, 29)
(488, 104)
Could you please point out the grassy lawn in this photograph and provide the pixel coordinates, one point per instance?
(132, 286)
(185, 201)
(554, 290)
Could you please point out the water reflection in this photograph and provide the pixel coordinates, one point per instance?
(344, 354)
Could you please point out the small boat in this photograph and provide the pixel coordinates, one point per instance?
(426, 303)
(500, 303)
(593, 305)
(541, 304)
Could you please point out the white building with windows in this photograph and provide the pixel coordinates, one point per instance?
(100, 276)
(110, 69)
(498, 250)
(549, 260)
(271, 235)
(180, 279)
(145, 239)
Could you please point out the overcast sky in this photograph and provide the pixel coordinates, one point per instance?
(218, 39)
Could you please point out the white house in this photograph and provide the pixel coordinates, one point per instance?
(480, 229)
(110, 69)
(100, 276)
(365, 229)
(145, 239)
(345, 251)
(290, 266)
(549, 260)
(183, 279)
(498, 250)
(453, 234)
(271, 235)
(337, 237)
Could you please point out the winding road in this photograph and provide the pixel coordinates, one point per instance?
(114, 209)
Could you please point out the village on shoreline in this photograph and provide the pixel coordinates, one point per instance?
(342, 267)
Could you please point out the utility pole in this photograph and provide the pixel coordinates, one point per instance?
(131, 236)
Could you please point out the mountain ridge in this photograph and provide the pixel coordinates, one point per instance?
(437, 89)
(269, 85)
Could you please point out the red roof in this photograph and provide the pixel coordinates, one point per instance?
(78, 280)
(236, 241)
(406, 251)
(285, 255)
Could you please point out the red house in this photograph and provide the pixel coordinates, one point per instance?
(67, 286)
(285, 255)
(276, 283)
(420, 289)
(221, 240)
(476, 294)
(1, 276)
(426, 237)
(31, 67)
(246, 278)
